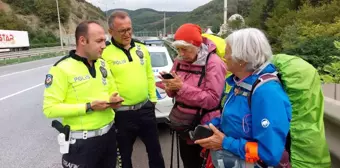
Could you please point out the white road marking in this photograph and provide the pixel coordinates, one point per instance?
(22, 91)
(14, 73)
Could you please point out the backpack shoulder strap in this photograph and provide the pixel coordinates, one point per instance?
(204, 69)
(260, 81)
(201, 73)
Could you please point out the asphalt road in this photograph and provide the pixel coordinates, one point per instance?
(26, 137)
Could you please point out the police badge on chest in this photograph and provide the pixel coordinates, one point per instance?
(104, 74)
(140, 54)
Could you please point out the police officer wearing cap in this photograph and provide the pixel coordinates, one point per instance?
(81, 91)
(131, 68)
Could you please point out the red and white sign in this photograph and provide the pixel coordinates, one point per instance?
(13, 39)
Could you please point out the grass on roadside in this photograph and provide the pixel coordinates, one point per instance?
(27, 59)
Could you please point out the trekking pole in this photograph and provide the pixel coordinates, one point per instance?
(172, 146)
(205, 158)
(177, 139)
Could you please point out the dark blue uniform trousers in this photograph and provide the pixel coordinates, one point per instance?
(141, 123)
(95, 152)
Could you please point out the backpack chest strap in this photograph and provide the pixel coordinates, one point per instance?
(202, 73)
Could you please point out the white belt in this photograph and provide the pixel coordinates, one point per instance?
(134, 107)
(90, 134)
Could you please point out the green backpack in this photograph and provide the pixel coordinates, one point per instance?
(301, 81)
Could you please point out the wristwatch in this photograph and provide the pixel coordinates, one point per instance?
(88, 107)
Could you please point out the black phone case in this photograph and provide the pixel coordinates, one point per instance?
(115, 102)
(200, 132)
(167, 76)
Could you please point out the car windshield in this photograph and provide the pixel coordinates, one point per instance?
(158, 59)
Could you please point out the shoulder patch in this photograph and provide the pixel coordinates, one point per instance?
(48, 80)
(62, 59)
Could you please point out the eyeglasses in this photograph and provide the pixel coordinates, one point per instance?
(123, 31)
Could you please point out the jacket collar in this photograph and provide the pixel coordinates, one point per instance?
(114, 42)
(79, 58)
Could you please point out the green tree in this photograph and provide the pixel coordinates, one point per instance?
(254, 19)
(317, 51)
(331, 72)
(11, 22)
(236, 24)
(24, 7)
(47, 10)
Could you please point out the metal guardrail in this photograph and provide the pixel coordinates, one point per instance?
(5, 58)
(169, 43)
(332, 127)
(33, 52)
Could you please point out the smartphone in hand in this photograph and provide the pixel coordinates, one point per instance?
(113, 103)
(200, 132)
(167, 76)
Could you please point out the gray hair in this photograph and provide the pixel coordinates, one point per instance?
(183, 43)
(251, 46)
(118, 13)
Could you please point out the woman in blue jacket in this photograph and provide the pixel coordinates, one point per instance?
(254, 130)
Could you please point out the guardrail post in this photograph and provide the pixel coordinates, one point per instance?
(335, 91)
(332, 124)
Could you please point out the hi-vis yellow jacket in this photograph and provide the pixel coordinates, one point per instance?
(70, 84)
(132, 71)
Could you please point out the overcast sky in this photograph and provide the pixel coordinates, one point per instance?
(161, 5)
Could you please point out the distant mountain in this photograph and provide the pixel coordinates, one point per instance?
(42, 14)
(210, 14)
(145, 19)
(40, 18)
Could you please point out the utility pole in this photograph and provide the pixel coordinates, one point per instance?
(107, 14)
(171, 28)
(107, 19)
(60, 33)
(225, 11)
(164, 26)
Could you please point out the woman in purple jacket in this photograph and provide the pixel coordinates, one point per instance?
(198, 82)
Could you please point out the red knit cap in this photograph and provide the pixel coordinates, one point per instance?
(189, 33)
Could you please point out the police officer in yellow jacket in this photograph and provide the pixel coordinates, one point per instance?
(131, 68)
(80, 90)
